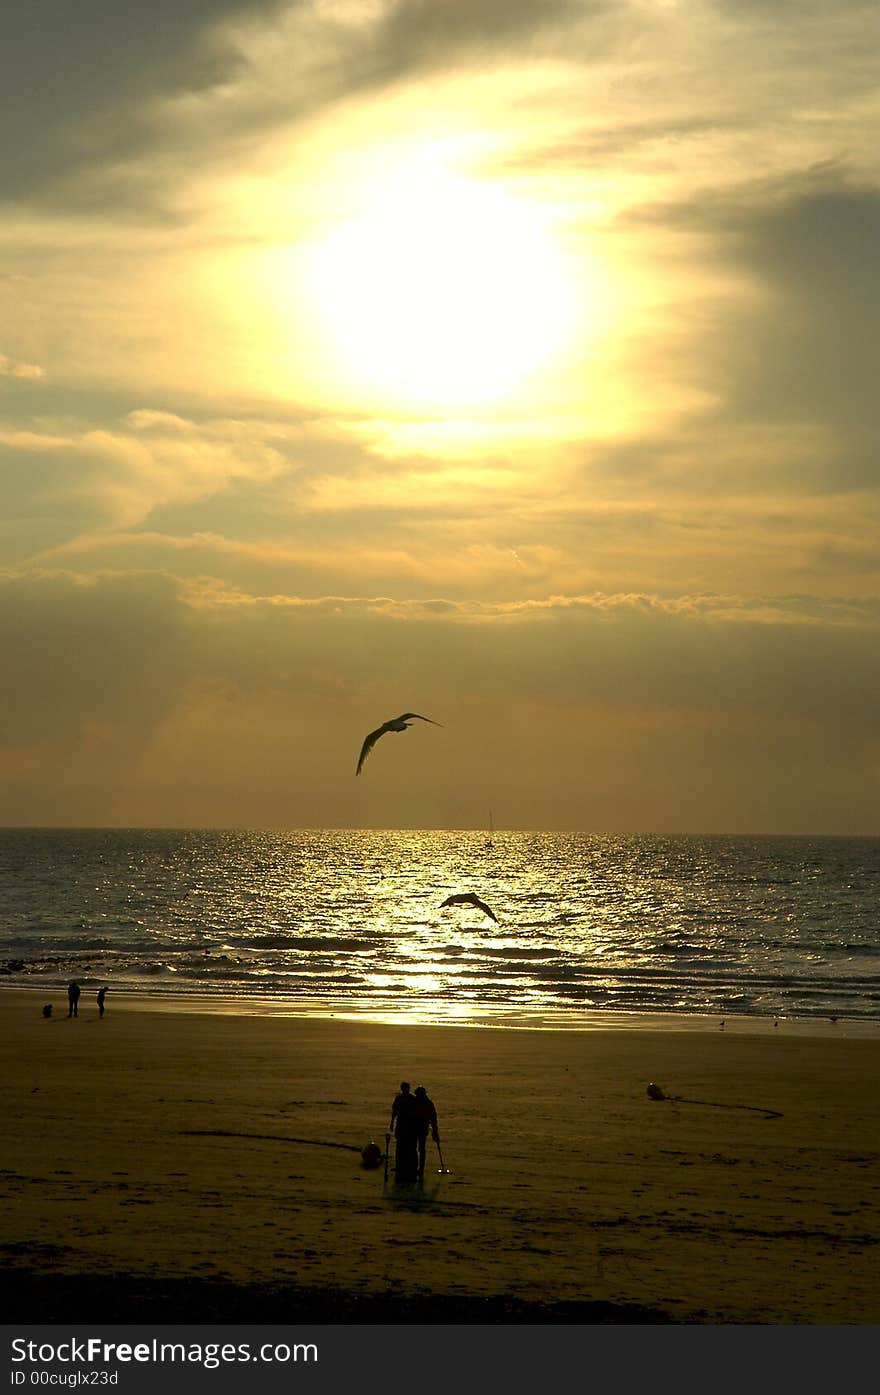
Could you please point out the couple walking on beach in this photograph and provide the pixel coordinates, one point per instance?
(413, 1116)
(73, 999)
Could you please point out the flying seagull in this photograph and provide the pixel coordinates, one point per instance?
(470, 898)
(400, 723)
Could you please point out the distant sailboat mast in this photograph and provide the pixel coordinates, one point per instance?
(491, 830)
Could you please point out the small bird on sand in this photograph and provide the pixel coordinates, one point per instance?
(401, 723)
(470, 898)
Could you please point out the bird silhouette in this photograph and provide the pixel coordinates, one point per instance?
(470, 898)
(400, 723)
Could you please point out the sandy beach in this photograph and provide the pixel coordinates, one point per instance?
(178, 1165)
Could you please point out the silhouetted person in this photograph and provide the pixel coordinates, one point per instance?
(73, 998)
(402, 1102)
(426, 1119)
(101, 992)
(405, 1127)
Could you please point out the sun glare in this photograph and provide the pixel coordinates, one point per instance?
(441, 292)
(405, 280)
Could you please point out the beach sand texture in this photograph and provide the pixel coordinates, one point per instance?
(187, 1165)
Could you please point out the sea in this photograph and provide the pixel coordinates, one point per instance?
(589, 929)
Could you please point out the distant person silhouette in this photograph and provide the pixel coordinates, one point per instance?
(426, 1119)
(405, 1127)
(101, 993)
(73, 998)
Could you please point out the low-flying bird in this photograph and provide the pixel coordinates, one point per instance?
(401, 723)
(470, 898)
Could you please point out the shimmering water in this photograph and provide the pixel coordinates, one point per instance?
(347, 921)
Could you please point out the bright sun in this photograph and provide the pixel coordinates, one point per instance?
(443, 292)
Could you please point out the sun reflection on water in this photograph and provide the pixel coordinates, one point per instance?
(355, 920)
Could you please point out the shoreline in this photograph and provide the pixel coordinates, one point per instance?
(588, 1020)
(188, 1165)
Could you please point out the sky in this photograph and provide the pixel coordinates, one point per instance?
(511, 363)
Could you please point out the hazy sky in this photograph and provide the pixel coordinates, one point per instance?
(510, 361)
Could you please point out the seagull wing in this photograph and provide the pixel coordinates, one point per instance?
(405, 717)
(369, 743)
(470, 898)
(483, 907)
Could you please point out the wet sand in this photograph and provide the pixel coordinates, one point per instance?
(172, 1165)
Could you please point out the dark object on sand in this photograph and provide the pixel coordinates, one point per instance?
(47, 1010)
(371, 1156)
(655, 1092)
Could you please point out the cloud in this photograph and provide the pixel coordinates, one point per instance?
(9, 368)
(417, 35)
(129, 94)
(75, 658)
(79, 81)
(800, 351)
(266, 506)
(814, 359)
(79, 478)
(592, 711)
(650, 602)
